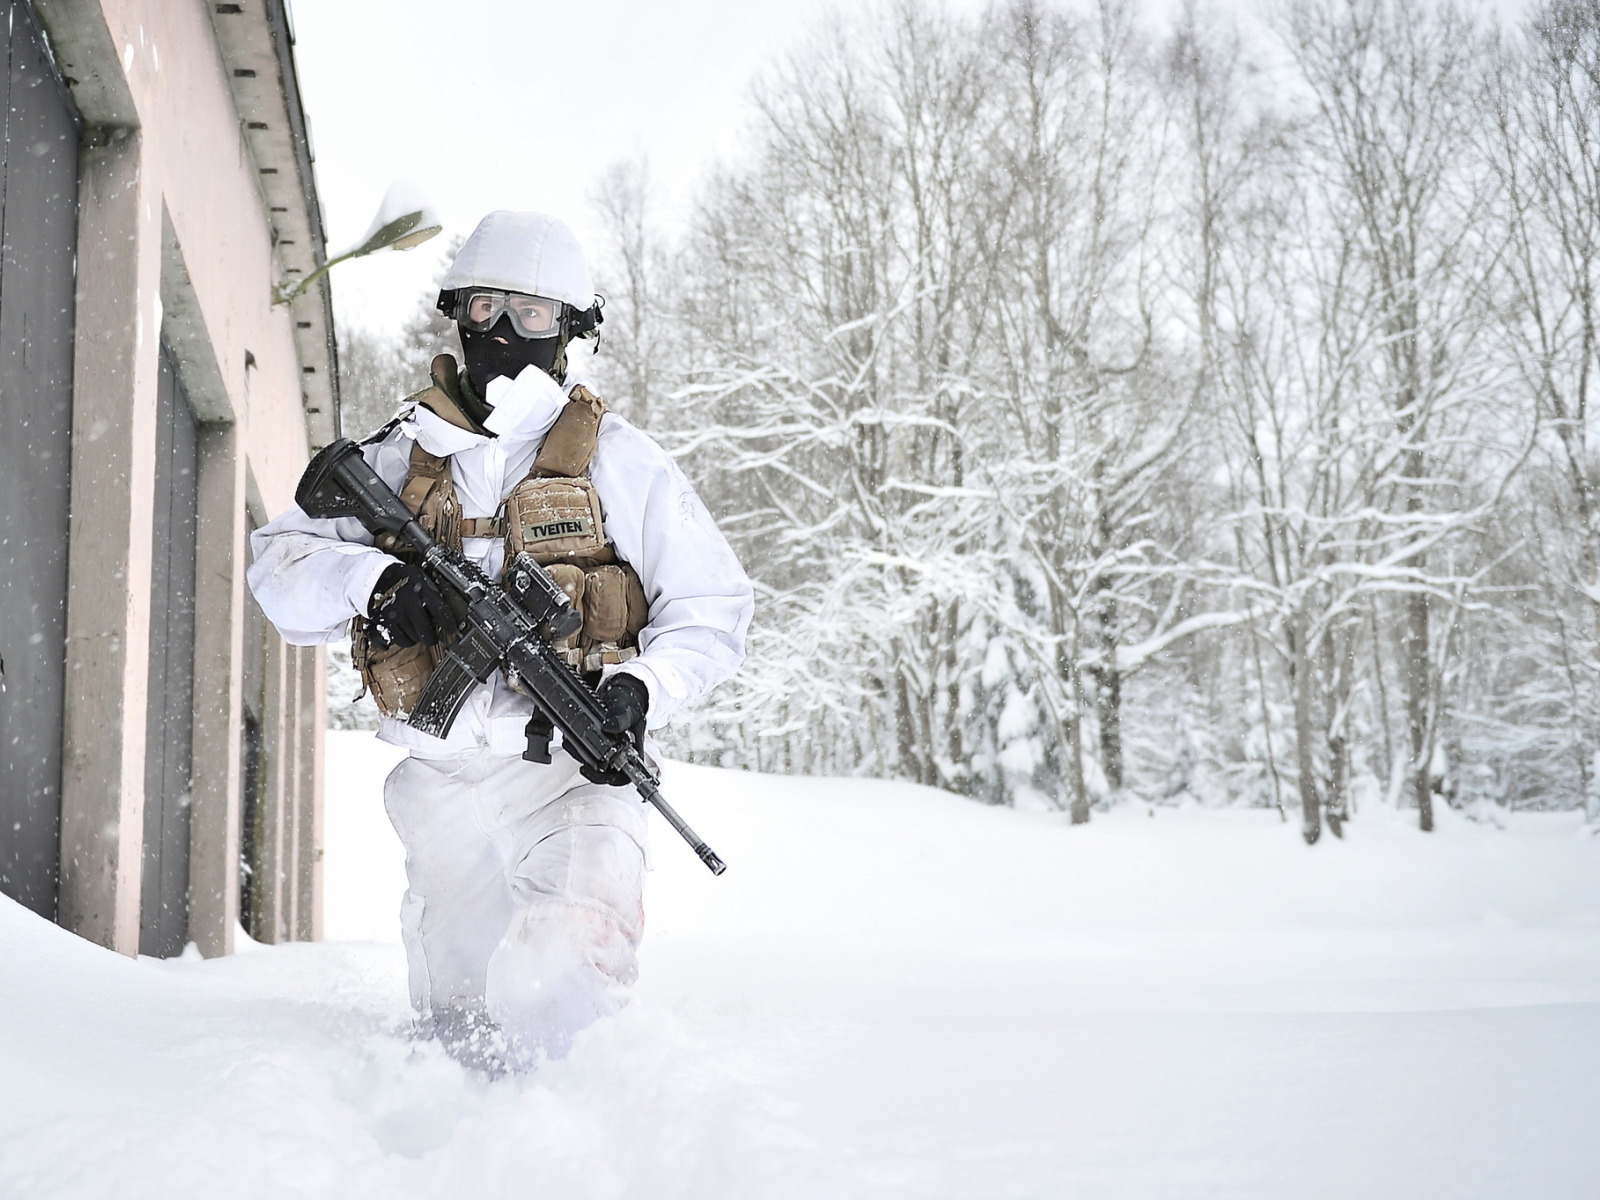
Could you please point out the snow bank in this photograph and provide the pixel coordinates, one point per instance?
(891, 993)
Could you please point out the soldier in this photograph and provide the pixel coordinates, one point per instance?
(523, 913)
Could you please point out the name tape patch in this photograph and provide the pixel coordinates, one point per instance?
(550, 530)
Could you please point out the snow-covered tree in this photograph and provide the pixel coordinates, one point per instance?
(1104, 411)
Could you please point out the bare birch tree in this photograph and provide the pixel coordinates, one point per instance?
(1102, 415)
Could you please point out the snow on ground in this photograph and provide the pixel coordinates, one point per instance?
(892, 993)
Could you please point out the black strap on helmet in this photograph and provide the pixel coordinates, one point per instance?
(582, 324)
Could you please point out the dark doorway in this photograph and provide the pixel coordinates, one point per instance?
(169, 729)
(253, 873)
(38, 237)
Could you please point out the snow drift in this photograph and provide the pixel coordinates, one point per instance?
(891, 993)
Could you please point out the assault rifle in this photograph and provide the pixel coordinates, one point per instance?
(508, 628)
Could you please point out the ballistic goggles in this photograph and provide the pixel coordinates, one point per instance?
(478, 309)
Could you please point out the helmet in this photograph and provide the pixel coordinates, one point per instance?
(512, 255)
(523, 252)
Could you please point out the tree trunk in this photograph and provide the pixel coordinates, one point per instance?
(905, 727)
(1414, 661)
(1336, 646)
(1414, 656)
(1108, 693)
(1072, 720)
(1108, 708)
(955, 746)
(1304, 731)
(1080, 791)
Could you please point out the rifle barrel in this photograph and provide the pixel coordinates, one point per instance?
(647, 788)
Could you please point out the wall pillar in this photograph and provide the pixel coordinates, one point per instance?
(270, 815)
(218, 692)
(293, 790)
(115, 378)
(308, 820)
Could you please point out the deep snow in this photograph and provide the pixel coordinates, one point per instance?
(891, 993)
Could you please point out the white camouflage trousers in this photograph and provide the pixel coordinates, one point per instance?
(523, 910)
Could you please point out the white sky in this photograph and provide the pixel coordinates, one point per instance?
(524, 104)
(515, 104)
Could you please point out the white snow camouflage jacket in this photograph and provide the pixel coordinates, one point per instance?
(312, 576)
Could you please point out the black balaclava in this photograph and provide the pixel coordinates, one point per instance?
(501, 350)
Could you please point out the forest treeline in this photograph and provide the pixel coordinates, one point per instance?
(1109, 410)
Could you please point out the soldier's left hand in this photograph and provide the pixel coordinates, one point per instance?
(626, 703)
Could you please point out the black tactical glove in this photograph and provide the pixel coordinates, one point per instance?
(407, 610)
(626, 702)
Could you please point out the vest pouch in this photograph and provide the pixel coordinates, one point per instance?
(395, 675)
(573, 581)
(556, 521)
(428, 492)
(614, 611)
(613, 600)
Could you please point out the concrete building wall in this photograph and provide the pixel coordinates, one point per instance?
(180, 242)
(39, 140)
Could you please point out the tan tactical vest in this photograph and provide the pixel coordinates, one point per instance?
(553, 513)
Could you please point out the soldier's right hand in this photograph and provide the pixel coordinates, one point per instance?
(407, 610)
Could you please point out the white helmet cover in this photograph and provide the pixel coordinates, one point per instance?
(524, 252)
